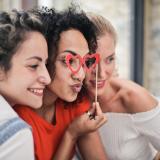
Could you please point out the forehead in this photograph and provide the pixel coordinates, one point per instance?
(73, 40)
(33, 45)
(106, 44)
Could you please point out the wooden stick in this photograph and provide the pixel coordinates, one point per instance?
(96, 82)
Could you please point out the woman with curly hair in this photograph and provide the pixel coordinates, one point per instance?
(23, 77)
(59, 125)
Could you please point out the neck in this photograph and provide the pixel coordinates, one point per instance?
(48, 108)
(104, 98)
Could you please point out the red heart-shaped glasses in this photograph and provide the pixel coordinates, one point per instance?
(75, 62)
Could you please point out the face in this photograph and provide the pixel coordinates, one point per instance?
(65, 84)
(25, 81)
(106, 49)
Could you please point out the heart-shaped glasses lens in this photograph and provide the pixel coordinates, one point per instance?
(75, 62)
(90, 61)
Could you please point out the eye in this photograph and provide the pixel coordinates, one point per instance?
(71, 61)
(90, 61)
(109, 60)
(63, 61)
(33, 67)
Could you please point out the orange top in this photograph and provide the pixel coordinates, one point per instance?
(47, 136)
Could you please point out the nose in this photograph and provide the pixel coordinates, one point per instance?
(44, 77)
(101, 70)
(80, 75)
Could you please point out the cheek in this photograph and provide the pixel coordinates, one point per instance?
(60, 81)
(62, 73)
(88, 77)
(62, 78)
(110, 68)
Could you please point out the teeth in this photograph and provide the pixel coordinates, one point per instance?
(99, 82)
(39, 91)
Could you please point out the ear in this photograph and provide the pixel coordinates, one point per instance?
(2, 74)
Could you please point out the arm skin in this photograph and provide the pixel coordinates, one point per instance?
(91, 147)
(82, 128)
(125, 96)
(135, 98)
(65, 149)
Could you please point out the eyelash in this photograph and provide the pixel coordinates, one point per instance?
(71, 62)
(109, 60)
(34, 67)
(63, 61)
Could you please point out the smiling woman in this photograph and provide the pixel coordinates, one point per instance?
(59, 125)
(29, 62)
(133, 130)
(23, 76)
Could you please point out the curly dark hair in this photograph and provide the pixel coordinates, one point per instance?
(13, 29)
(57, 22)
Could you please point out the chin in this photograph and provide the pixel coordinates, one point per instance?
(71, 98)
(100, 92)
(36, 106)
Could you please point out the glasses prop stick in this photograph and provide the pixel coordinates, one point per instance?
(96, 89)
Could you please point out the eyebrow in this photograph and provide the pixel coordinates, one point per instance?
(113, 54)
(35, 57)
(72, 52)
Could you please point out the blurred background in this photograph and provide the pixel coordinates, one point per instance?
(138, 26)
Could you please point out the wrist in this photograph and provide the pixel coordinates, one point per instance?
(70, 135)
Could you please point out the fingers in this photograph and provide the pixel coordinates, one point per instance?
(98, 110)
(90, 115)
(95, 110)
(96, 116)
(92, 109)
(102, 121)
(98, 121)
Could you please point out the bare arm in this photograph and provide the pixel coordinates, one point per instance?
(135, 98)
(65, 149)
(91, 147)
(81, 126)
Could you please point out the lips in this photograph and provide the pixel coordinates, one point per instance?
(36, 91)
(76, 87)
(100, 83)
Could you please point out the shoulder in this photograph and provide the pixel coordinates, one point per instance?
(26, 113)
(16, 141)
(13, 127)
(22, 110)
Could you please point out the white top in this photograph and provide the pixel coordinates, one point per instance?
(16, 141)
(132, 136)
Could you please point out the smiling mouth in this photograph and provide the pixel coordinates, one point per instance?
(37, 92)
(100, 83)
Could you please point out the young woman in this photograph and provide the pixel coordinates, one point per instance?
(23, 77)
(133, 129)
(58, 125)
